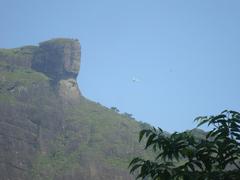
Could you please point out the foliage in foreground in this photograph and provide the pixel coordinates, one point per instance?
(181, 156)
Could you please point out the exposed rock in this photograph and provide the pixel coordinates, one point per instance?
(58, 58)
(68, 89)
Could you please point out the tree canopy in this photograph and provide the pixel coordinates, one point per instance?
(183, 156)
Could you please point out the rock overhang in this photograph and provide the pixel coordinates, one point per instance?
(58, 58)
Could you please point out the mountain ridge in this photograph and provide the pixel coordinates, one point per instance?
(48, 129)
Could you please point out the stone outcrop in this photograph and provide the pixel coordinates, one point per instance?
(58, 58)
(68, 89)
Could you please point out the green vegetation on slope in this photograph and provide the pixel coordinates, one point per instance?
(21, 57)
(23, 76)
(93, 134)
(14, 80)
(18, 53)
(58, 41)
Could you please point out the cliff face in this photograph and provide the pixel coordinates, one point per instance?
(58, 58)
(48, 130)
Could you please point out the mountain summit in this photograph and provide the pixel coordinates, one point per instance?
(58, 58)
(48, 130)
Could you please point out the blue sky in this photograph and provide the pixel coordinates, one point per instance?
(186, 53)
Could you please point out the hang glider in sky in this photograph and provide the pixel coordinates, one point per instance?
(135, 80)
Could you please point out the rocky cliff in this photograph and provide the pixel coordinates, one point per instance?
(58, 58)
(48, 130)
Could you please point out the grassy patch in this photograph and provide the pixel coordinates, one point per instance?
(58, 41)
(107, 134)
(54, 163)
(7, 98)
(51, 165)
(118, 162)
(18, 53)
(24, 76)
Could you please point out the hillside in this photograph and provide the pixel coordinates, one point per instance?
(48, 130)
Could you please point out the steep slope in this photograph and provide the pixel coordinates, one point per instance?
(48, 129)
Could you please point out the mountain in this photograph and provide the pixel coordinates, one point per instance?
(48, 129)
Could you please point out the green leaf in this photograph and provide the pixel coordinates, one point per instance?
(144, 132)
(191, 166)
(135, 167)
(234, 112)
(200, 118)
(150, 140)
(218, 117)
(135, 160)
(202, 122)
(198, 163)
(225, 111)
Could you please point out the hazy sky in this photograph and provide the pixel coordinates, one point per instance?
(185, 52)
